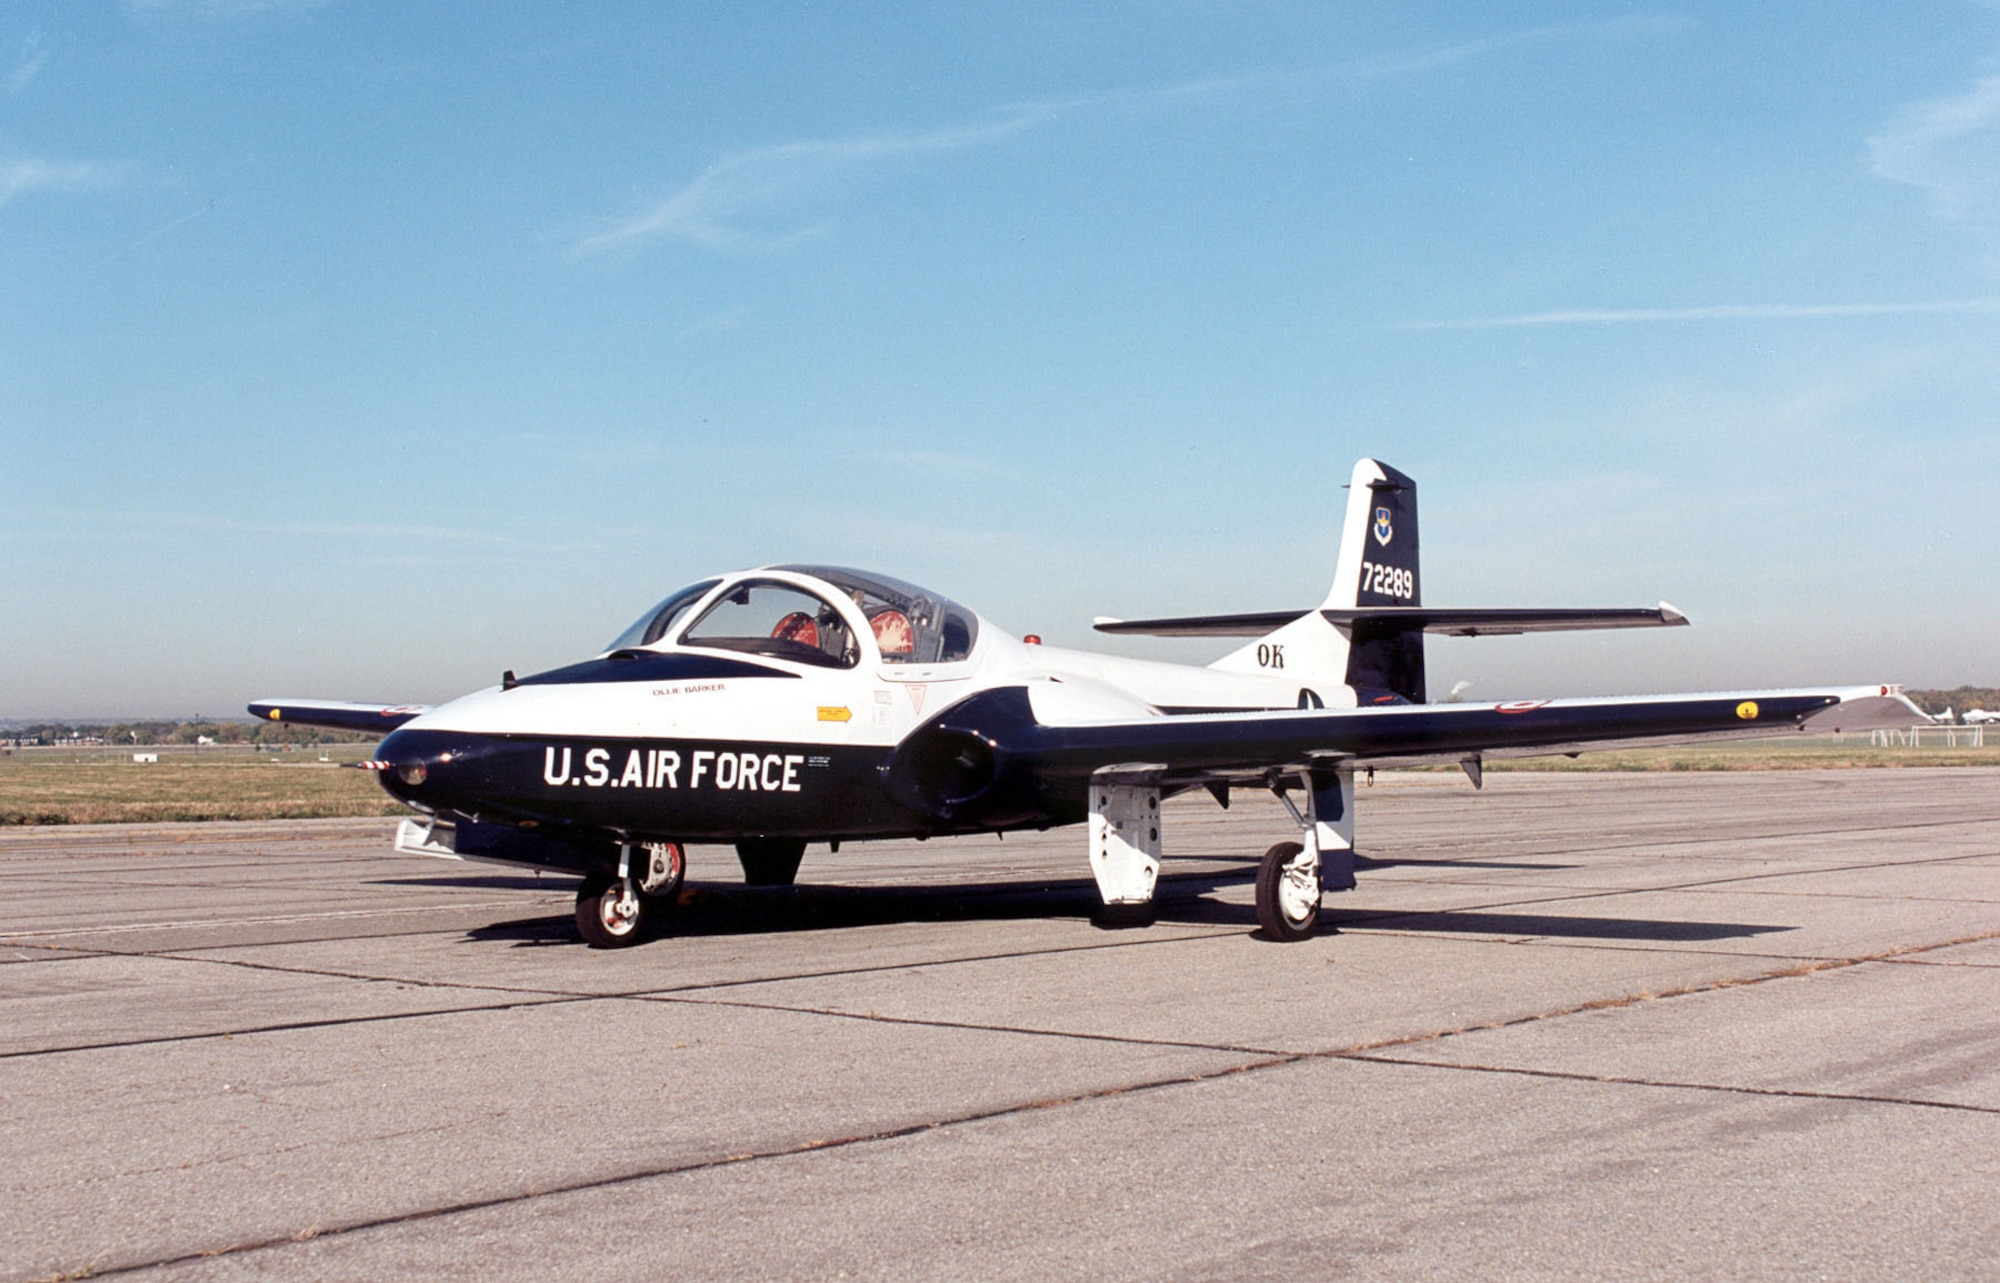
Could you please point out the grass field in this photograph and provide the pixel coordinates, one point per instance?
(104, 786)
(1818, 752)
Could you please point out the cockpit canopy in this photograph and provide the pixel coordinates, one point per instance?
(764, 615)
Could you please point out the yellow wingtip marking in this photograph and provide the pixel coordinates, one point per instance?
(274, 713)
(1747, 710)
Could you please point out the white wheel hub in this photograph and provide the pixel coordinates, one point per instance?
(1298, 889)
(618, 909)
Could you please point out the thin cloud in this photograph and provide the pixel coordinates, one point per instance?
(1712, 312)
(26, 176)
(1437, 57)
(729, 320)
(719, 210)
(160, 231)
(30, 66)
(1948, 146)
(224, 8)
(1379, 66)
(939, 465)
(747, 201)
(360, 534)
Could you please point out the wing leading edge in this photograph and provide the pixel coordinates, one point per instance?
(996, 748)
(335, 714)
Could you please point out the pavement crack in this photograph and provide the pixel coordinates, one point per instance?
(519, 997)
(1005, 955)
(1618, 1080)
(1364, 918)
(968, 1026)
(813, 1145)
(289, 1026)
(1793, 972)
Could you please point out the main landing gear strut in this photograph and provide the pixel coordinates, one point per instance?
(1125, 848)
(613, 912)
(1293, 875)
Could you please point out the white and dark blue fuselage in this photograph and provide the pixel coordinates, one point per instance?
(775, 707)
(717, 729)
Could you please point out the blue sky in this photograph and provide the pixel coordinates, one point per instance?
(364, 350)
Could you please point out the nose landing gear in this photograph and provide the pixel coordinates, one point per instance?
(609, 912)
(614, 912)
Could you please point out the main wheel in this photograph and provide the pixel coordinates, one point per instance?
(1287, 897)
(770, 862)
(610, 914)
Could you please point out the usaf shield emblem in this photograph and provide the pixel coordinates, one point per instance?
(1383, 533)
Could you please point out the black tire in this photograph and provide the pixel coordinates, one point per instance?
(1278, 921)
(604, 918)
(1120, 917)
(770, 862)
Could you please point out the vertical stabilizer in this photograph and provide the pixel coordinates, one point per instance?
(1376, 566)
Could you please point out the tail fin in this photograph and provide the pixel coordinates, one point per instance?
(1376, 566)
(1365, 643)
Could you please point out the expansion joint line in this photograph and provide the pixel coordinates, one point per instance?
(1618, 1080)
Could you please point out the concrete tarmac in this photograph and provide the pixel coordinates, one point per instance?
(1585, 1026)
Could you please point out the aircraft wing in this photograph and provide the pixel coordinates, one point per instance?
(336, 715)
(989, 748)
(1456, 622)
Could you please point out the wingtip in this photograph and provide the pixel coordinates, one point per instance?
(1671, 615)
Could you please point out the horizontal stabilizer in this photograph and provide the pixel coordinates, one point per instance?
(1503, 621)
(377, 719)
(1474, 622)
(1253, 625)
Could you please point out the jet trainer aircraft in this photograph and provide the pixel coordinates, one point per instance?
(786, 705)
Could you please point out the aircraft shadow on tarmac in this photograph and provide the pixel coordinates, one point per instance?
(718, 909)
(489, 882)
(564, 882)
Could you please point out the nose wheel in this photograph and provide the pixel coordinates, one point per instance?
(615, 911)
(610, 912)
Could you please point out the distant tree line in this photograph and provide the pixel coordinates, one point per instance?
(1957, 699)
(115, 734)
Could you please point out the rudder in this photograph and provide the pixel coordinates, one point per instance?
(1379, 567)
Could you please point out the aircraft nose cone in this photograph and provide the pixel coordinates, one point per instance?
(409, 768)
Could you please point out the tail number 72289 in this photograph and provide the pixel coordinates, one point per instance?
(1390, 581)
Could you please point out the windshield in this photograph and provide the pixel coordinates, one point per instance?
(911, 625)
(654, 624)
(766, 617)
